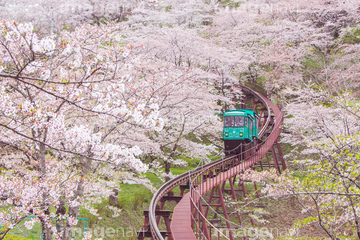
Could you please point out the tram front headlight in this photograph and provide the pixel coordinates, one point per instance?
(241, 134)
(226, 134)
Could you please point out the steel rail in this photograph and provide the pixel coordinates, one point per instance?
(185, 177)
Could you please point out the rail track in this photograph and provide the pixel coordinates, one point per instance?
(190, 217)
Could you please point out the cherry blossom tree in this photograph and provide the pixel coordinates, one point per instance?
(79, 108)
(70, 14)
(62, 98)
(185, 48)
(187, 108)
(87, 105)
(326, 127)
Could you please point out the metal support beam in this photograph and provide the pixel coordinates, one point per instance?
(226, 216)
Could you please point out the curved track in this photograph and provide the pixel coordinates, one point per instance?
(188, 219)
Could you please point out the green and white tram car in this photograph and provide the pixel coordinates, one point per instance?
(240, 127)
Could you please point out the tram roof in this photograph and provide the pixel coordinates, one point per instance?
(241, 112)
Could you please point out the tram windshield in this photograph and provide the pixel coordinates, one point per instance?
(229, 121)
(239, 121)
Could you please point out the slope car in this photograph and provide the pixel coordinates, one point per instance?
(240, 127)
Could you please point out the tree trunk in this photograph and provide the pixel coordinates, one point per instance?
(152, 158)
(167, 170)
(60, 211)
(74, 211)
(47, 234)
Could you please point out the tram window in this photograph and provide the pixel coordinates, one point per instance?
(246, 122)
(239, 121)
(229, 121)
(250, 125)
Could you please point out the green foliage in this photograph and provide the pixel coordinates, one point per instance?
(66, 27)
(132, 196)
(155, 181)
(300, 238)
(337, 173)
(14, 237)
(352, 37)
(231, 4)
(168, 8)
(312, 62)
(178, 171)
(132, 199)
(20, 232)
